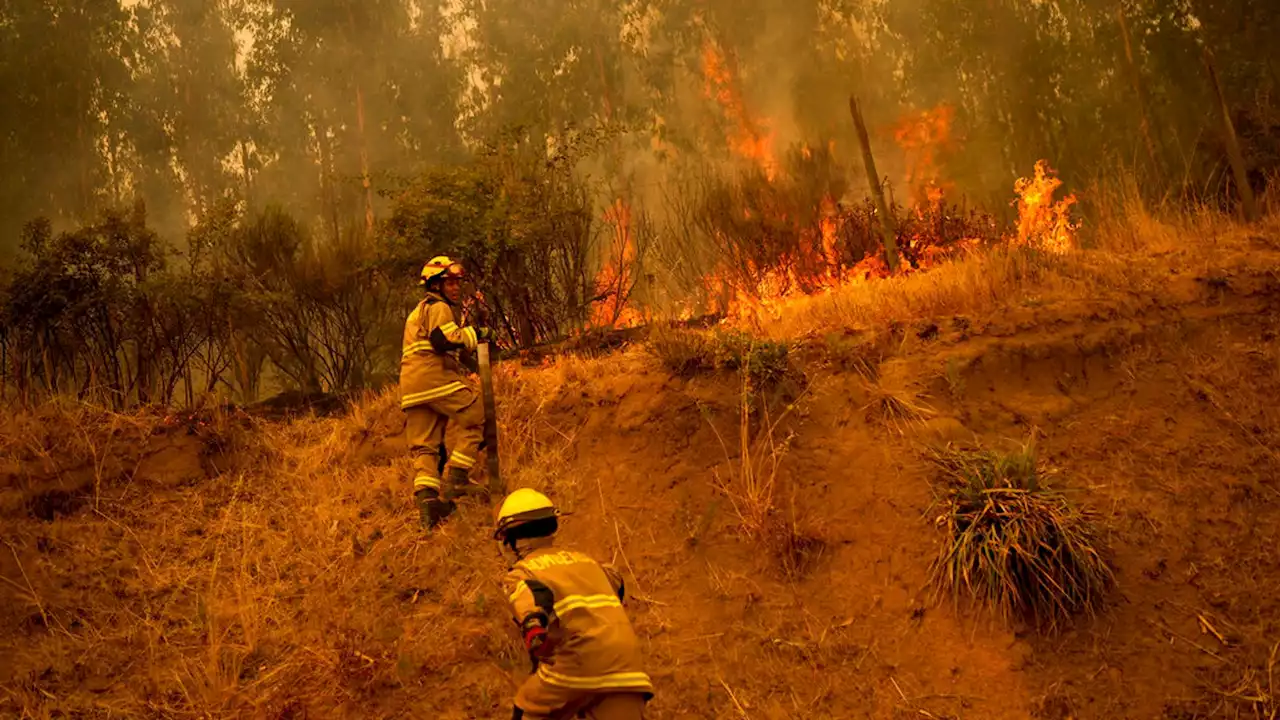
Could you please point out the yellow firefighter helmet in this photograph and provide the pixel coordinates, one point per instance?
(440, 266)
(522, 506)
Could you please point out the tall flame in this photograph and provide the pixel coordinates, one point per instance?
(925, 137)
(616, 278)
(749, 138)
(1042, 222)
(817, 268)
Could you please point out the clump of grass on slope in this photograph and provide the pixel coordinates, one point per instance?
(1013, 543)
(689, 352)
(682, 352)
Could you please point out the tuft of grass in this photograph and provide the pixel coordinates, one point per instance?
(1013, 543)
(753, 486)
(898, 409)
(685, 353)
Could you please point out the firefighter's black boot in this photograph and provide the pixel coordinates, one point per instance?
(459, 483)
(431, 509)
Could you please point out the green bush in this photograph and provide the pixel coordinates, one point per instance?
(765, 361)
(112, 313)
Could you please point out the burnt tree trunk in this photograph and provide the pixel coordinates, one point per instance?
(364, 164)
(363, 142)
(887, 231)
(1247, 202)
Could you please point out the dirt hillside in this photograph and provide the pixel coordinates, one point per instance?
(227, 566)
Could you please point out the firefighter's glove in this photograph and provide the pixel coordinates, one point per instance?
(534, 630)
(469, 361)
(484, 334)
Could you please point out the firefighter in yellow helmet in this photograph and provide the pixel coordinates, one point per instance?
(434, 393)
(586, 657)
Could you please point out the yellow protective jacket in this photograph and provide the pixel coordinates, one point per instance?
(429, 365)
(589, 644)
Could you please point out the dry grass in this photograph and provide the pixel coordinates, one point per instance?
(538, 428)
(1013, 543)
(298, 584)
(217, 598)
(1236, 688)
(1239, 386)
(289, 579)
(898, 409)
(1258, 690)
(763, 502)
(685, 353)
(63, 448)
(1128, 250)
(977, 284)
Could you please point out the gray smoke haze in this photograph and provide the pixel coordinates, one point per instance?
(186, 103)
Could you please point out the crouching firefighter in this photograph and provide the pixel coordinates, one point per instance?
(586, 657)
(436, 395)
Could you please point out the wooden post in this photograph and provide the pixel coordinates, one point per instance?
(495, 484)
(1247, 202)
(887, 231)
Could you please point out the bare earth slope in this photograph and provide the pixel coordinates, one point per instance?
(251, 569)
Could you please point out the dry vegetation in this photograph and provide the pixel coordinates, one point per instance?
(222, 565)
(293, 582)
(1015, 543)
(1126, 256)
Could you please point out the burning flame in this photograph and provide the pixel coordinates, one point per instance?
(1042, 222)
(925, 137)
(618, 275)
(748, 138)
(817, 269)
(816, 264)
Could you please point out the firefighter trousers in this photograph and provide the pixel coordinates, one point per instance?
(593, 706)
(461, 414)
(541, 700)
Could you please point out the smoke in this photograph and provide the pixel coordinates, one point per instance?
(153, 95)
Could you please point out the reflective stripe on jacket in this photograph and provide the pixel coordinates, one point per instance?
(429, 367)
(590, 642)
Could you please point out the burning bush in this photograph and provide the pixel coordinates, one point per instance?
(791, 237)
(1013, 543)
(1043, 223)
